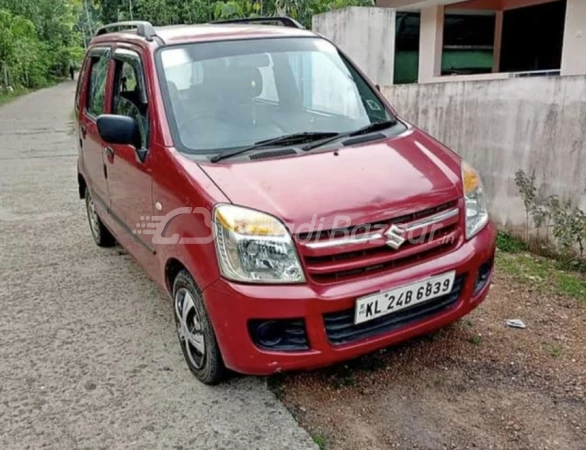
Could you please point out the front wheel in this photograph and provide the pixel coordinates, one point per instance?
(195, 332)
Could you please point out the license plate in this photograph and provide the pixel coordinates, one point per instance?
(389, 302)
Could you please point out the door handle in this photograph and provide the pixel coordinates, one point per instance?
(109, 154)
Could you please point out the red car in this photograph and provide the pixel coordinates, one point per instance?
(263, 181)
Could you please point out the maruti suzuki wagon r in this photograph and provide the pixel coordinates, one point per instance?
(263, 181)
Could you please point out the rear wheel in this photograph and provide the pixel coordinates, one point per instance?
(195, 332)
(100, 233)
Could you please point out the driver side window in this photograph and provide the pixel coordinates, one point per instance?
(129, 95)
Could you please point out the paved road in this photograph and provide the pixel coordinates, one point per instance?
(88, 355)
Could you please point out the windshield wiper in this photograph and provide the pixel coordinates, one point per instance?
(295, 138)
(375, 126)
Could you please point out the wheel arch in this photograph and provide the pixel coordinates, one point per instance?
(82, 185)
(172, 267)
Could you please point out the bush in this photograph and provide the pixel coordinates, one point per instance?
(564, 223)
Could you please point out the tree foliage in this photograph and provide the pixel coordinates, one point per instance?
(39, 39)
(166, 12)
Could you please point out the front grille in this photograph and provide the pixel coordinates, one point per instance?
(339, 232)
(279, 334)
(340, 327)
(333, 263)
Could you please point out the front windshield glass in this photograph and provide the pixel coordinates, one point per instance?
(231, 94)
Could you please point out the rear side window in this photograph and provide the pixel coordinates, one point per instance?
(97, 84)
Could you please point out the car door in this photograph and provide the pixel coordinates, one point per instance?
(92, 146)
(128, 174)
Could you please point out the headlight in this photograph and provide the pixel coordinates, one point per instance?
(255, 247)
(476, 201)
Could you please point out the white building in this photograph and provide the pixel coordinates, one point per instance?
(502, 82)
(518, 36)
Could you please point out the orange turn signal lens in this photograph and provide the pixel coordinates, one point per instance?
(248, 222)
(470, 178)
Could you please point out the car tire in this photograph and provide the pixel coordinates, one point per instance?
(195, 332)
(102, 236)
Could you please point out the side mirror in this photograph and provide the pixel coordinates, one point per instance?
(121, 130)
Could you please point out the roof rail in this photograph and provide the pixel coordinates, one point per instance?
(143, 29)
(282, 20)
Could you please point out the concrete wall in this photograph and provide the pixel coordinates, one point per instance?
(534, 124)
(574, 51)
(366, 35)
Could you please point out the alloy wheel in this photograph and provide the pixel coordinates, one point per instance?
(189, 327)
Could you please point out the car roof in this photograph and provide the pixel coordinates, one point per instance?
(182, 33)
(177, 34)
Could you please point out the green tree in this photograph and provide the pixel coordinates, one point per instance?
(165, 12)
(233, 9)
(38, 40)
(159, 12)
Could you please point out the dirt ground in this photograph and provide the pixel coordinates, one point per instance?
(475, 384)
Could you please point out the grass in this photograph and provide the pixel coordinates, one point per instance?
(553, 350)
(7, 96)
(510, 244)
(513, 244)
(572, 266)
(476, 339)
(320, 440)
(544, 274)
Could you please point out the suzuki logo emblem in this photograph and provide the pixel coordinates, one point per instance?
(395, 237)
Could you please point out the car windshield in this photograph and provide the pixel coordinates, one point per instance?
(231, 94)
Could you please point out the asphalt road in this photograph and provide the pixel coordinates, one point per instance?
(88, 353)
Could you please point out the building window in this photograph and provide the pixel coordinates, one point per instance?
(407, 47)
(533, 38)
(468, 45)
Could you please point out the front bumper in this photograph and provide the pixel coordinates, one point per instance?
(231, 306)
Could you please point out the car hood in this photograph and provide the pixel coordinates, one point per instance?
(363, 184)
